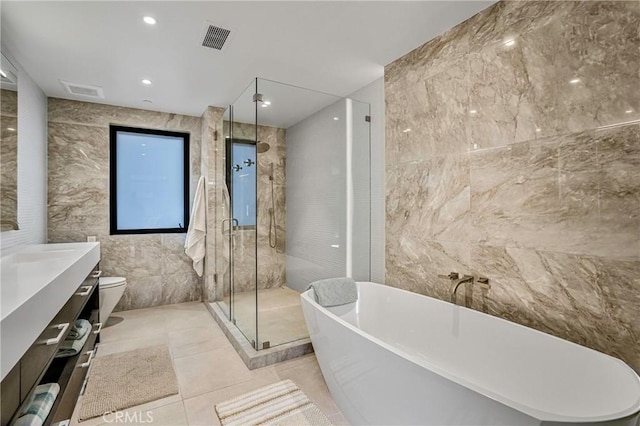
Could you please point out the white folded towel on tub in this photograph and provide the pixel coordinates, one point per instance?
(334, 291)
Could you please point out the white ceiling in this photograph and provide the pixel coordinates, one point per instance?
(330, 46)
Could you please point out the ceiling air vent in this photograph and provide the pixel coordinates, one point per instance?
(214, 37)
(83, 90)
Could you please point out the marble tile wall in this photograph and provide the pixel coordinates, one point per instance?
(212, 148)
(498, 164)
(8, 157)
(271, 264)
(155, 266)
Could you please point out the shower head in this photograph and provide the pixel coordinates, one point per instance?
(262, 147)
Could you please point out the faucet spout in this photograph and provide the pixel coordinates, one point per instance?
(456, 283)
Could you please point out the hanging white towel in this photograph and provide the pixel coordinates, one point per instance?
(195, 246)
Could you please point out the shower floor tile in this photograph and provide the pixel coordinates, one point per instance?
(280, 318)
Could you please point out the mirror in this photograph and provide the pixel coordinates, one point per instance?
(8, 146)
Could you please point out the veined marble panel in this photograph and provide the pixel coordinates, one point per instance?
(9, 103)
(577, 193)
(8, 157)
(429, 117)
(552, 175)
(585, 299)
(429, 199)
(155, 266)
(9, 167)
(102, 115)
(421, 266)
(212, 144)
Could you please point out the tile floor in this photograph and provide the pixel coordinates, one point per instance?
(207, 367)
(280, 315)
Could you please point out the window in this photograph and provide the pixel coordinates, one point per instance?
(149, 172)
(241, 180)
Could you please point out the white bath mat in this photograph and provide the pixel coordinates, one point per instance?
(123, 380)
(279, 404)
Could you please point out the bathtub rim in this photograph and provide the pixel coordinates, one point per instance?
(545, 416)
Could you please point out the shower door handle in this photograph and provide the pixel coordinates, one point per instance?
(232, 221)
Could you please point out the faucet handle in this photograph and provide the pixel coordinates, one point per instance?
(451, 276)
(483, 282)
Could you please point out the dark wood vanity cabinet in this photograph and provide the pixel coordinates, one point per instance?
(39, 365)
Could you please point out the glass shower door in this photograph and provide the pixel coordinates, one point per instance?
(240, 155)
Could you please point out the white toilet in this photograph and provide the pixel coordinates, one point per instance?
(111, 290)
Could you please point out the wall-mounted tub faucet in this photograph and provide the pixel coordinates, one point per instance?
(456, 281)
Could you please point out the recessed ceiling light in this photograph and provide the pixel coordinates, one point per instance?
(629, 111)
(473, 111)
(146, 81)
(406, 130)
(149, 20)
(538, 129)
(11, 129)
(574, 81)
(336, 118)
(509, 42)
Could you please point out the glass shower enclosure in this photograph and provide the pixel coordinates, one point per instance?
(296, 201)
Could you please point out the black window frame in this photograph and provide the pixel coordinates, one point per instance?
(229, 142)
(113, 181)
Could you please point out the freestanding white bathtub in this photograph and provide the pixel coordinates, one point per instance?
(396, 357)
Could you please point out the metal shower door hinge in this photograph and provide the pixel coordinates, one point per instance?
(367, 118)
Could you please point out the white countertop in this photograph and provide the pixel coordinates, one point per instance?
(35, 283)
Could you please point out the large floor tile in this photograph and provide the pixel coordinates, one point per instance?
(197, 340)
(117, 346)
(309, 379)
(135, 326)
(201, 409)
(209, 371)
(295, 362)
(179, 318)
(167, 415)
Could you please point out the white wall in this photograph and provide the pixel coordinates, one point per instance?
(374, 95)
(317, 197)
(328, 195)
(32, 163)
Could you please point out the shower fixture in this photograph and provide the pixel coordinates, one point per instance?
(273, 229)
(262, 147)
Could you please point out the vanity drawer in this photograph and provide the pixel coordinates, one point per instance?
(76, 302)
(10, 399)
(40, 353)
(77, 372)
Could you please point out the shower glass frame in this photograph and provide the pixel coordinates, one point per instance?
(243, 122)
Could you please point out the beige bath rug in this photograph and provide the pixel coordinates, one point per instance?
(279, 404)
(123, 380)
